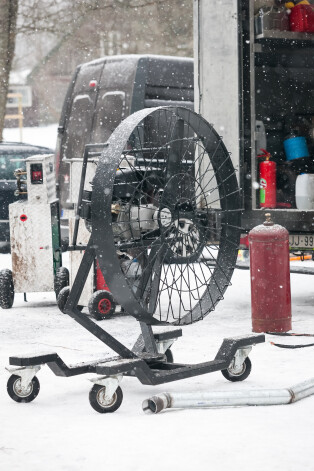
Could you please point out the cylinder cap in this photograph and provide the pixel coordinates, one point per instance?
(268, 221)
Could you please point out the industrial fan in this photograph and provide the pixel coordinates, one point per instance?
(164, 216)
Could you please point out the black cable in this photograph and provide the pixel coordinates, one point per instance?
(290, 334)
(280, 345)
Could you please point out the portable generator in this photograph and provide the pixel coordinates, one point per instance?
(34, 234)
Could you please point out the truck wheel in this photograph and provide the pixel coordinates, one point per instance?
(61, 280)
(102, 305)
(238, 376)
(6, 289)
(20, 394)
(100, 404)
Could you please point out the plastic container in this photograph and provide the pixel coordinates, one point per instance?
(296, 147)
(274, 18)
(304, 191)
(301, 19)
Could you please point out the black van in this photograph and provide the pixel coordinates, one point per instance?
(105, 91)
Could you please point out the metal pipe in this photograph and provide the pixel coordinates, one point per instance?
(262, 397)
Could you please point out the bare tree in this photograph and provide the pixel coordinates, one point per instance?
(8, 17)
(54, 17)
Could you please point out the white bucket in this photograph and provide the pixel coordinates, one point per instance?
(304, 191)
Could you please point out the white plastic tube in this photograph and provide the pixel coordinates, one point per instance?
(255, 397)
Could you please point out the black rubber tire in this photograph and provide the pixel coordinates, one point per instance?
(62, 279)
(6, 289)
(247, 366)
(13, 389)
(63, 297)
(102, 305)
(95, 397)
(169, 355)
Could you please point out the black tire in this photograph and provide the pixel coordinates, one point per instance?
(246, 370)
(6, 289)
(17, 394)
(97, 403)
(62, 299)
(61, 280)
(102, 305)
(169, 355)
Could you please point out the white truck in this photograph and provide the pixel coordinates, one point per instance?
(254, 81)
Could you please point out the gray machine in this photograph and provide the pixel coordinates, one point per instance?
(34, 234)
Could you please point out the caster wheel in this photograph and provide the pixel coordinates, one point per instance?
(169, 355)
(102, 305)
(98, 401)
(6, 289)
(20, 394)
(61, 280)
(231, 375)
(62, 299)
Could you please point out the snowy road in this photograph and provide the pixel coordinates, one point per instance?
(60, 431)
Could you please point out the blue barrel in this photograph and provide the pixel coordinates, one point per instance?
(296, 148)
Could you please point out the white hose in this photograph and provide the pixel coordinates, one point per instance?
(263, 397)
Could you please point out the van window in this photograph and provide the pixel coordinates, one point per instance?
(110, 111)
(79, 126)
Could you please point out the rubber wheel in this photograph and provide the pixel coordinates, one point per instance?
(62, 299)
(97, 400)
(246, 370)
(61, 280)
(169, 355)
(6, 289)
(17, 394)
(102, 305)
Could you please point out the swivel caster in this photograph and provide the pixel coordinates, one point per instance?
(20, 392)
(238, 374)
(101, 403)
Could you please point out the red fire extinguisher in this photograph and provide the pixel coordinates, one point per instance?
(267, 175)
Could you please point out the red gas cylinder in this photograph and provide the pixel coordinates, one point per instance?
(270, 278)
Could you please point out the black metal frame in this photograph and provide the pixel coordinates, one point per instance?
(150, 369)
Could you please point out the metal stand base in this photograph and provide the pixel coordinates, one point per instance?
(149, 369)
(150, 359)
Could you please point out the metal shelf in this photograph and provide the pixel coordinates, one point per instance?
(285, 35)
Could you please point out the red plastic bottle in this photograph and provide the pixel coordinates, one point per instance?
(301, 18)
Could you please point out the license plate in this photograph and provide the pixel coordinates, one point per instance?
(301, 241)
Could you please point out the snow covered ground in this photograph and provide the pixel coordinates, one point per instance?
(60, 430)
